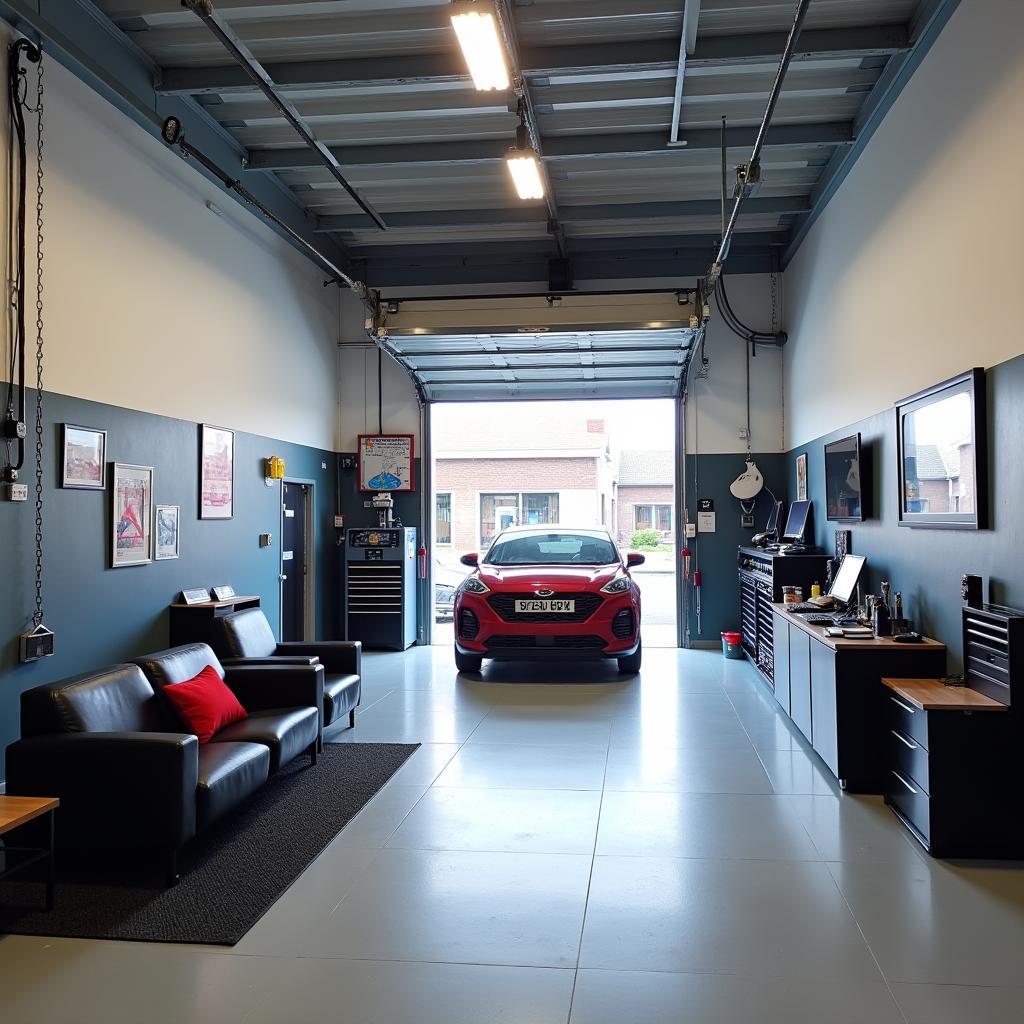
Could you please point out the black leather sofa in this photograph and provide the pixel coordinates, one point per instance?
(245, 638)
(129, 777)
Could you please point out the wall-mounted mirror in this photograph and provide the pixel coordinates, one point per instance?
(943, 455)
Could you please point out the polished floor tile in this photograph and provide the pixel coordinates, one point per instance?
(782, 919)
(373, 992)
(532, 731)
(699, 730)
(631, 997)
(931, 921)
(516, 909)
(959, 1004)
(511, 766)
(704, 825)
(424, 766)
(385, 726)
(798, 772)
(713, 769)
(513, 821)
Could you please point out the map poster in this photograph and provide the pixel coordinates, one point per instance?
(385, 462)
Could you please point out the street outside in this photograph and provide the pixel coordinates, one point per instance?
(655, 578)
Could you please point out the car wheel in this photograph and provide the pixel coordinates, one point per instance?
(467, 662)
(630, 665)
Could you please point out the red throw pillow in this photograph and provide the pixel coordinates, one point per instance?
(205, 704)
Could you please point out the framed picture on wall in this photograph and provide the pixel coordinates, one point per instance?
(386, 462)
(216, 472)
(84, 458)
(801, 477)
(168, 531)
(132, 517)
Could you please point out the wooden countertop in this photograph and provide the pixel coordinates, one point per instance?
(849, 643)
(17, 810)
(934, 695)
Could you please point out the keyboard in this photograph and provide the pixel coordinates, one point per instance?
(820, 620)
(806, 606)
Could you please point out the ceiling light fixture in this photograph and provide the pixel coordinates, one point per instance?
(478, 31)
(524, 166)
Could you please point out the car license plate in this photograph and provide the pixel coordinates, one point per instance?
(545, 607)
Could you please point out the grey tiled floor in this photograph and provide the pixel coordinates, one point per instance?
(600, 851)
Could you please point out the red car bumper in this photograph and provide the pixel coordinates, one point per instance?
(485, 625)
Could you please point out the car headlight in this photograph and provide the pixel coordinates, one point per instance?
(619, 585)
(472, 585)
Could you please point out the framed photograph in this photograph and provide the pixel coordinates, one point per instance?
(801, 477)
(216, 472)
(386, 462)
(942, 445)
(132, 519)
(168, 531)
(84, 462)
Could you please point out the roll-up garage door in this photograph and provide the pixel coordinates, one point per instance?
(536, 347)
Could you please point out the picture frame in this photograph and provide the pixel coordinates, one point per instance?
(801, 477)
(386, 463)
(131, 515)
(83, 457)
(942, 452)
(167, 527)
(216, 472)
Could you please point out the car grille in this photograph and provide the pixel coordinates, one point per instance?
(469, 624)
(504, 605)
(530, 643)
(622, 624)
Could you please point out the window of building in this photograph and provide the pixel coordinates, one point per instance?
(653, 517)
(500, 511)
(443, 518)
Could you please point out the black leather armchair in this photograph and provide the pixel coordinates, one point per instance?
(128, 775)
(245, 638)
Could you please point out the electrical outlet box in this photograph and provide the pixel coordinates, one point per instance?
(266, 539)
(691, 529)
(15, 492)
(339, 522)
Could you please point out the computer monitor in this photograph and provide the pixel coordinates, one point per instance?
(846, 579)
(773, 517)
(796, 522)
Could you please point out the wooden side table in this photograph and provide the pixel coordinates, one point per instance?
(16, 811)
(192, 623)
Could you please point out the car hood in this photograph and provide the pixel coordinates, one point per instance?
(550, 577)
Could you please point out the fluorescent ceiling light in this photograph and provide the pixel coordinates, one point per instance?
(525, 170)
(476, 26)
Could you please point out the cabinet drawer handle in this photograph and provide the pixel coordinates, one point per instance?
(904, 740)
(906, 707)
(905, 783)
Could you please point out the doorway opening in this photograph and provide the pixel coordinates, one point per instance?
(298, 603)
(600, 462)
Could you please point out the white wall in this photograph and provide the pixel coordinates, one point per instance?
(912, 273)
(154, 303)
(716, 407)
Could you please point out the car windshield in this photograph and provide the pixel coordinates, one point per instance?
(552, 549)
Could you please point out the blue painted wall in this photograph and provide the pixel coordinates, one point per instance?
(926, 565)
(720, 587)
(103, 615)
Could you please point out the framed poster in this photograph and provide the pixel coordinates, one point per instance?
(386, 462)
(84, 459)
(801, 477)
(168, 531)
(216, 472)
(132, 519)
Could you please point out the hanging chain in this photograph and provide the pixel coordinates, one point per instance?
(37, 617)
(775, 302)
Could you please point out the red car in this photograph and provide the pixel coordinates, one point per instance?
(548, 592)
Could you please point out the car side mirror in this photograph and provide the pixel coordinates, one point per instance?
(472, 560)
(634, 558)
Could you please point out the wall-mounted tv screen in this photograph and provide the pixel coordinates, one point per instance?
(844, 482)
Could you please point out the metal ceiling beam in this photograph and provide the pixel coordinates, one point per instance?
(781, 205)
(628, 144)
(87, 43)
(687, 44)
(247, 62)
(631, 364)
(659, 54)
(929, 20)
(549, 380)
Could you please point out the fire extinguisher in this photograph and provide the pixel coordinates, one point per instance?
(421, 555)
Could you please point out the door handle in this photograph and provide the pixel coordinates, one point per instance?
(282, 577)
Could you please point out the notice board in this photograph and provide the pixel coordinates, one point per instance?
(386, 462)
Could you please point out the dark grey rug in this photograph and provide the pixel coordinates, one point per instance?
(231, 875)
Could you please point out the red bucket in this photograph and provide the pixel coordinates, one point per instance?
(732, 645)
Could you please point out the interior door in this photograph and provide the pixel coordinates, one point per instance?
(294, 562)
